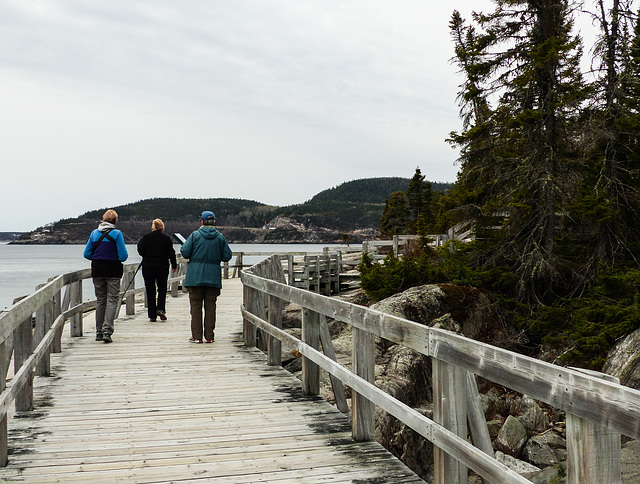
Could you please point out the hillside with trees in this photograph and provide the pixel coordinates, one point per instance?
(352, 208)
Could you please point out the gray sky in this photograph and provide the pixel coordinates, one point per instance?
(106, 102)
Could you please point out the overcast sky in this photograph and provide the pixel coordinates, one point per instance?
(107, 102)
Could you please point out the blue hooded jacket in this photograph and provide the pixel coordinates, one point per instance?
(205, 248)
(106, 257)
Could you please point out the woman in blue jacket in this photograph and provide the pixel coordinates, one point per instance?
(205, 248)
(106, 251)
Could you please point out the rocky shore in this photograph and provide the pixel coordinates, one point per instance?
(527, 436)
(281, 230)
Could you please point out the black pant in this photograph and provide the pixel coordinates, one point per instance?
(155, 277)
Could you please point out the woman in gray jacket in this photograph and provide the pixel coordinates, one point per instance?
(205, 248)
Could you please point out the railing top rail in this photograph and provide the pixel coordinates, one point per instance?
(18, 312)
(21, 310)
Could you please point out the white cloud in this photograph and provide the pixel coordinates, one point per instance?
(109, 102)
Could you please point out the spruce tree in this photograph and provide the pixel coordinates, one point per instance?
(527, 60)
(419, 199)
(610, 204)
(395, 216)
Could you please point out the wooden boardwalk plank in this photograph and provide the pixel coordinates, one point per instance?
(151, 407)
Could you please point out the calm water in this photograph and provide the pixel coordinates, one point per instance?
(23, 267)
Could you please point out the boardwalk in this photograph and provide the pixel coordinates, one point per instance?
(151, 407)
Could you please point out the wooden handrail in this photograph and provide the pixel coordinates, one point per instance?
(50, 317)
(583, 395)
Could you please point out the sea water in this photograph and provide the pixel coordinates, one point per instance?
(23, 267)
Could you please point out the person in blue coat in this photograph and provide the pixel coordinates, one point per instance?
(106, 251)
(205, 249)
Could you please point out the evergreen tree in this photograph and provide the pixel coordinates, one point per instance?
(527, 60)
(476, 179)
(419, 199)
(395, 216)
(610, 193)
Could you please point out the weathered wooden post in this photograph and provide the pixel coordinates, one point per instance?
(225, 270)
(290, 269)
(238, 265)
(274, 345)
(478, 429)
(310, 336)
(450, 411)
(23, 345)
(130, 300)
(274, 272)
(327, 349)
(396, 246)
(175, 285)
(44, 318)
(56, 345)
(364, 366)
(248, 329)
(593, 451)
(75, 298)
(4, 367)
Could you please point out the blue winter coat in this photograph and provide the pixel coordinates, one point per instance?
(205, 248)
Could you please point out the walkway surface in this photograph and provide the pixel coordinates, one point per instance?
(151, 407)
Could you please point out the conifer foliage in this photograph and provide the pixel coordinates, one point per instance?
(406, 213)
(614, 132)
(548, 169)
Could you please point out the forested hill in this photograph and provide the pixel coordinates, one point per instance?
(371, 190)
(349, 207)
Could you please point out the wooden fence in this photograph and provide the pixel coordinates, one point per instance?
(598, 410)
(31, 330)
(379, 249)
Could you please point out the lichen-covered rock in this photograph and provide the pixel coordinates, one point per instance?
(623, 361)
(534, 419)
(551, 475)
(512, 437)
(406, 444)
(521, 467)
(420, 304)
(539, 453)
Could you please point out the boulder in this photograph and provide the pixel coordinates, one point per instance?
(551, 475)
(512, 437)
(534, 419)
(403, 442)
(420, 304)
(447, 322)
(523, 468)
(539, 453)
(552, 439)
(623, 360)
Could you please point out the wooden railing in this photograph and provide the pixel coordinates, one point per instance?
(598, 410)
(379, 249)
(31, 329)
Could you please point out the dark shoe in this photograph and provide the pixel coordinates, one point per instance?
(162, 315)
(98, 336)
(106, 338)
(192, 340)
(153, 320)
